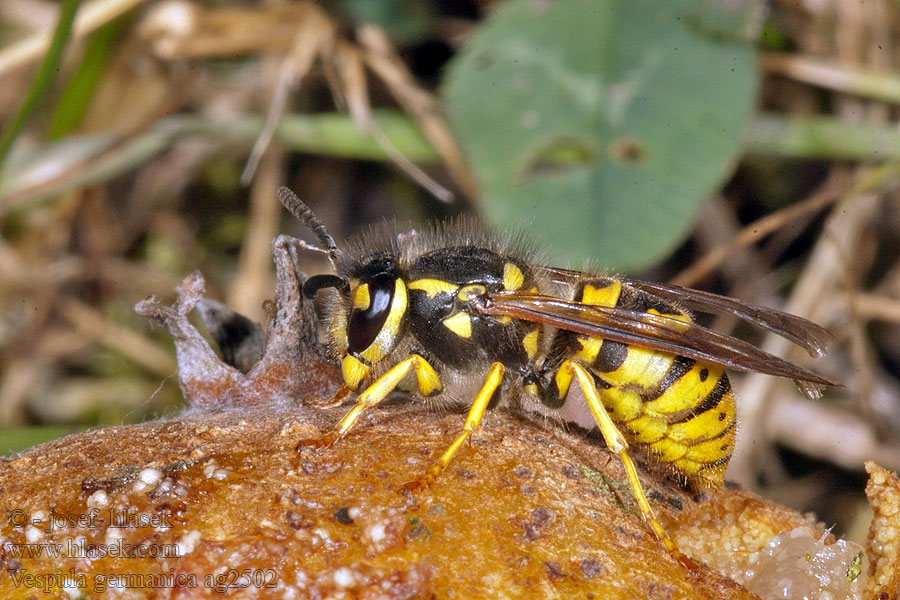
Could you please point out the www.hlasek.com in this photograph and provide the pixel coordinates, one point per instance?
(80, 548)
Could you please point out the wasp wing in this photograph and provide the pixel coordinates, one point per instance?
(808, 335)
(649, 330)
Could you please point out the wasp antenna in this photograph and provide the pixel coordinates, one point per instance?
(305, 214)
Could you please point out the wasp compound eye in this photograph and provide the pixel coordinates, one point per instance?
(318, 282)
(366, 323)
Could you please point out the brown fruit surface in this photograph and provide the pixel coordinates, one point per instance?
(883, 491)
(523, 512)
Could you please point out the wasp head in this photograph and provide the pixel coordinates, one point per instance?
(364, 318)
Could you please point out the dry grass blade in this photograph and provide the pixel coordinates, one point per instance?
(828, 74)
(381, 57)
(350, 85)
(178, 29)
(254, 277)
(315, 35)
(827, 194)
(126, 341)
(824, 272)
(344, 69)
(877, 307)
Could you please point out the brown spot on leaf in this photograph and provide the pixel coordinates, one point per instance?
(627, 150)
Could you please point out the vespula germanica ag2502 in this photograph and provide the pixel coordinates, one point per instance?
(456, 313)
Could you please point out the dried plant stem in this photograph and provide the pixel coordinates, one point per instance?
(827, 194)
(133, 345)
(877, 307)
(383, 60)
(824, 272)
(409, 167)
(833, 76)
(351, 90)
(254, 278)
(315, 33)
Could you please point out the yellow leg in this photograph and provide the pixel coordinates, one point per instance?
(617, 443)
(337, 398)
(429, 384)
(491, 383)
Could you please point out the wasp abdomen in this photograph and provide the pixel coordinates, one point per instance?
(679, 410)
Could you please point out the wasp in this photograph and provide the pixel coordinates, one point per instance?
(456, 313)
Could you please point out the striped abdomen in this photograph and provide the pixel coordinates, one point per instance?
(676, 409)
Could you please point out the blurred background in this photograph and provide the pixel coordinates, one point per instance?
(748, 148)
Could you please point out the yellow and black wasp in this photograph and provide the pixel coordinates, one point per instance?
(456, 313)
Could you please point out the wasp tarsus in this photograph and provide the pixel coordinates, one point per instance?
(325, 441)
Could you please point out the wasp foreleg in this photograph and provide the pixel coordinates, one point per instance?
(429, 384)
(491, 384)
(336, 398)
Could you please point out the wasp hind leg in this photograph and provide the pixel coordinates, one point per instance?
(479, 405)
(616, 442)
(429, 384)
